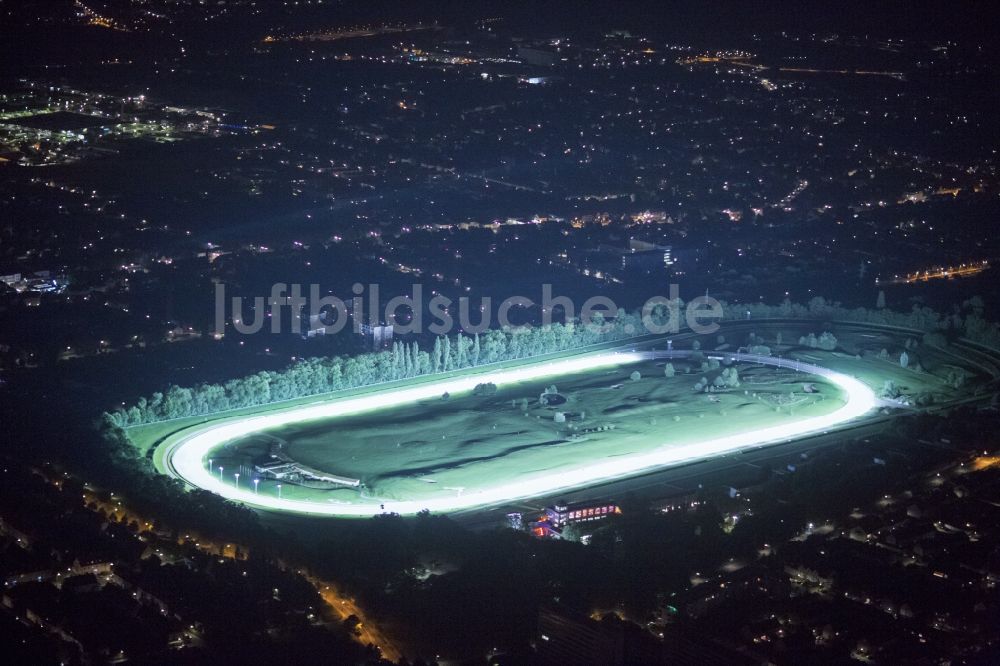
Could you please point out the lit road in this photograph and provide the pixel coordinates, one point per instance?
(367, 632)
(962, 270)
(342, 606)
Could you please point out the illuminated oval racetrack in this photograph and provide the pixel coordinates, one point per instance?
(186, 456)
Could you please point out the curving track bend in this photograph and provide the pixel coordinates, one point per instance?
(185, 456)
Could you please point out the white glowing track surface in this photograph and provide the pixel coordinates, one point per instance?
(188, 456)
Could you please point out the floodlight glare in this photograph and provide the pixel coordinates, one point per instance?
(187, 456)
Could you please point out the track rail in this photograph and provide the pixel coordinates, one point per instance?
(188, 453)
(184, 453)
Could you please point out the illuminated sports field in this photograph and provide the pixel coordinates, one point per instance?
(413, 450)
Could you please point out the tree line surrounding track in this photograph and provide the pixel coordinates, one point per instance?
(185, 456)
(319, 375)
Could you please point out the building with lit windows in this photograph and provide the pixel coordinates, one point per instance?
(558, 516)
(565, 514)
(644, 256)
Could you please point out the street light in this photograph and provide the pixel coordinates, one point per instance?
(210, 463)
(279, 491)
(220, 472)
(256, 482)
(237, 475)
